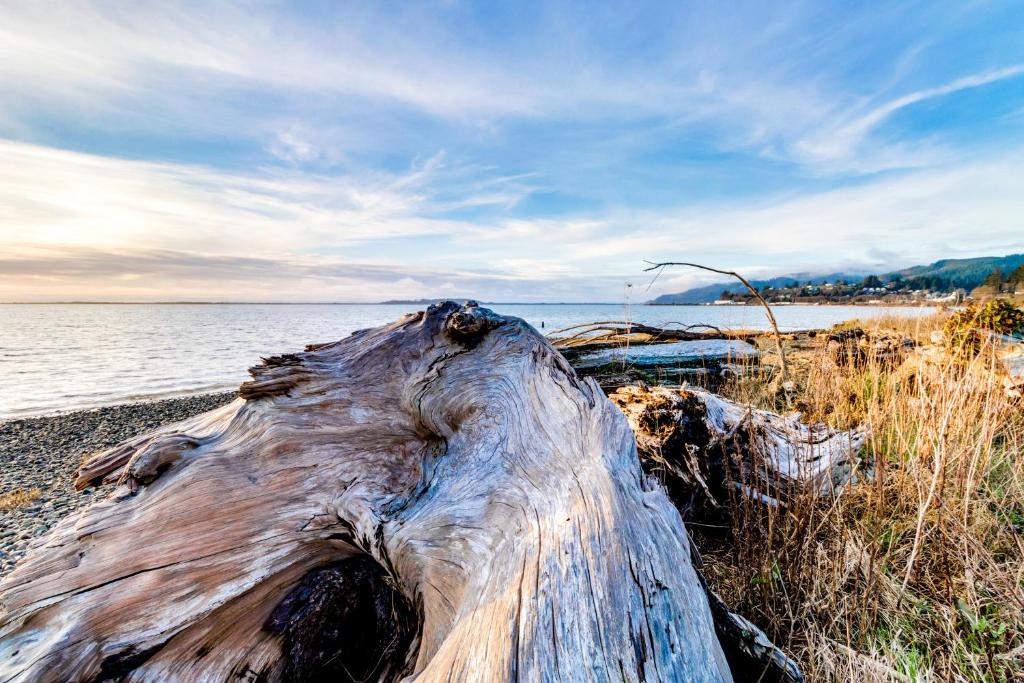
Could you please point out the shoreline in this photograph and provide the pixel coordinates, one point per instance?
(42, 413)
(40, 454)
(178, 351)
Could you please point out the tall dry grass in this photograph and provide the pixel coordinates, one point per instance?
(918, 573)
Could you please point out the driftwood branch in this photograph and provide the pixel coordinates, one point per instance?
(754, 292)
(439, 499)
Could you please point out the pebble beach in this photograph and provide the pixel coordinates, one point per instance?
(40, 455)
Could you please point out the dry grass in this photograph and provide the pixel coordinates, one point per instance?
(919, 574)
(17, 498)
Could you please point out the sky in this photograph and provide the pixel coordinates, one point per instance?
(331, 151)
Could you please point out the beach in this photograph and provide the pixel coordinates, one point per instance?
(40, 455)
(908, 396)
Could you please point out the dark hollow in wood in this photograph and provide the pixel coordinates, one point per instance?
(343, 623)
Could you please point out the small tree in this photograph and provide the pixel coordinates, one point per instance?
(994, 280)
(1015, 279)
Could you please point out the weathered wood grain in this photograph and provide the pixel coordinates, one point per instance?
(455, 449)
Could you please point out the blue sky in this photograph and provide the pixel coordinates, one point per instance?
(528, 152)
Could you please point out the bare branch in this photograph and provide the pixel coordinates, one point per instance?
(753, 290)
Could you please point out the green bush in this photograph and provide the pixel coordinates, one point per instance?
(964, 328)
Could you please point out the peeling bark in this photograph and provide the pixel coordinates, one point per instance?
(452, 457)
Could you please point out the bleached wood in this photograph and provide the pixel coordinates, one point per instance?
(694, 433)
(455, 447)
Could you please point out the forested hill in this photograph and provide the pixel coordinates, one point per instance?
(709, 293)
(949, 274)
(942, 276)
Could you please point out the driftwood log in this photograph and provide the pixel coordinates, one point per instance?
(699, 444)
(438, 499)
(617, 332)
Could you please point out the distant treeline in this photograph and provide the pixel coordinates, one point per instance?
(966, 279)
(942, 277)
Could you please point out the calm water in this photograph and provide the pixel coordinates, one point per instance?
(56, 357)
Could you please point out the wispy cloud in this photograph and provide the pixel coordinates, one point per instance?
(840, 141)
(61, 197)
(78, 223)
(878, 114)
(34, 273)
(552, 143)
(691, 70)
(87, 51)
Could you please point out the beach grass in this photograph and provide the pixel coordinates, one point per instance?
(918, 573)
(18, 498)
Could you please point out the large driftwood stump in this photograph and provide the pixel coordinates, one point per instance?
(452, 455)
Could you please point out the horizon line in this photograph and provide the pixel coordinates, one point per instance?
(424, 302)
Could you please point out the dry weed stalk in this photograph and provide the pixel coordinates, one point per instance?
(753, 290)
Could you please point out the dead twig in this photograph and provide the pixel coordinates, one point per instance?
(768, 309)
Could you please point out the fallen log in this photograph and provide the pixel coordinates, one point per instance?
(856, 346)
(662, 355)
(617, 332)
(437, 499)
(698, 443)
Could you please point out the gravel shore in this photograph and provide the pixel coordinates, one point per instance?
(41, 454)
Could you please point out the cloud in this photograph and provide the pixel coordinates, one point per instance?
(290, 145)
(52, 273)
(75, 225)
(560, 144)
(753, 80)
(840, 140)
(875, 116)
(86, 50)
(968, 209)
(54, 196)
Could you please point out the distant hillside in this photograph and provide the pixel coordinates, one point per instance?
(941, 276)
(965, 273)
(709, 293)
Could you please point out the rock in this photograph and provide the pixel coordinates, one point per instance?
(859, 347)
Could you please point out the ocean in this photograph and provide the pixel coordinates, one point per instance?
(59, 357)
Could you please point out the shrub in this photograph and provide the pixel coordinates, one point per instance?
(964, 329)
